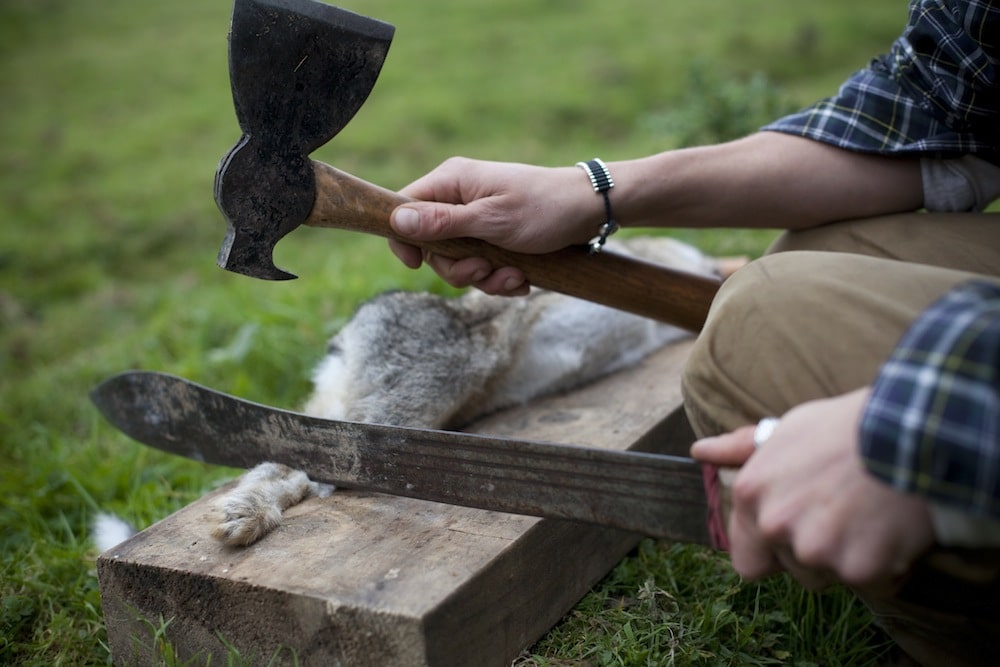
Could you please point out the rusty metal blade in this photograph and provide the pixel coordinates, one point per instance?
(656, 495)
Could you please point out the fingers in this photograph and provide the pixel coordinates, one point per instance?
(730, 449)
(478, 272)
(457, 199)
(522, 208)
(424, 221)
(468, 272)
(444, 183)
(765, 538)
(751, 557)
(430, 222)
(459, 272)
(804, 502)
(507, 281)
(410, 255)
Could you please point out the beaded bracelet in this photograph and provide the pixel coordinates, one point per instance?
(601, 179)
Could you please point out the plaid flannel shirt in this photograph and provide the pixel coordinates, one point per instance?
(935, 94)
(932, 424)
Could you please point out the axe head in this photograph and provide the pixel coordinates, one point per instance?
(299, 71)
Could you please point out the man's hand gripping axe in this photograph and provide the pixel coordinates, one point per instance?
(300, 70)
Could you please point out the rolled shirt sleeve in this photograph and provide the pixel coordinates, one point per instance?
(936, 93)
(959, 184)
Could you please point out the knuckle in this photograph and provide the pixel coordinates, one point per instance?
(745, 491)
(812, 553)
(438, 222)
(751, 565)
(455, 165)
(772, 528)
(859, 570)
(855, 577)
(455, 161)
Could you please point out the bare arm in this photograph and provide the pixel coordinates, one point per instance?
(766, 180)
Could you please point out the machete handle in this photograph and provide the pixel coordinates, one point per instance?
(676, 297)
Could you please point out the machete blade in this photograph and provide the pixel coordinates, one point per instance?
(653, 494)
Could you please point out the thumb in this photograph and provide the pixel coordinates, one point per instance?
(729, 449)
(426, 221)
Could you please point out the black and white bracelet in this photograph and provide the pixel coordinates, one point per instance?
(600, 178)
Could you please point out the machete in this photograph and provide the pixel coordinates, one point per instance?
(653, 494)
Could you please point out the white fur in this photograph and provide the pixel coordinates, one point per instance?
(109, 531)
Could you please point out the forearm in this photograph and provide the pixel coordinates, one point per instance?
(766, 180)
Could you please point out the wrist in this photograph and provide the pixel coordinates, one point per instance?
(579, 208)
(603, 183)
(641, 197)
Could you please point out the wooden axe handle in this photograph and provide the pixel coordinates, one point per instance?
(346, 202)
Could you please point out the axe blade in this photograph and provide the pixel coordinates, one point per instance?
(299, 71)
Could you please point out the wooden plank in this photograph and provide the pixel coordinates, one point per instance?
(368, 579)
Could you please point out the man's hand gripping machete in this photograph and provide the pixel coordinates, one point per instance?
(300, 70)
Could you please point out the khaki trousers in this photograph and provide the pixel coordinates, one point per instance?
(815, 318)
(818, 315)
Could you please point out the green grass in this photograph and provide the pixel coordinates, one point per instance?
(113, 116)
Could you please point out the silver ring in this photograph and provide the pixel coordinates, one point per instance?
(765, 429)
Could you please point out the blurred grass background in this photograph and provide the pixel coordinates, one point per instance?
(113, 116)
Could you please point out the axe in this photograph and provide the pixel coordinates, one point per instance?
(299, 71)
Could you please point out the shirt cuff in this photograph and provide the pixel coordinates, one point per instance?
(967, 183)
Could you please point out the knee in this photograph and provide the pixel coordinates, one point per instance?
(736, 364)
(801, 325)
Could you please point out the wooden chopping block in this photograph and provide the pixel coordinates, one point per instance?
(366, 579)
